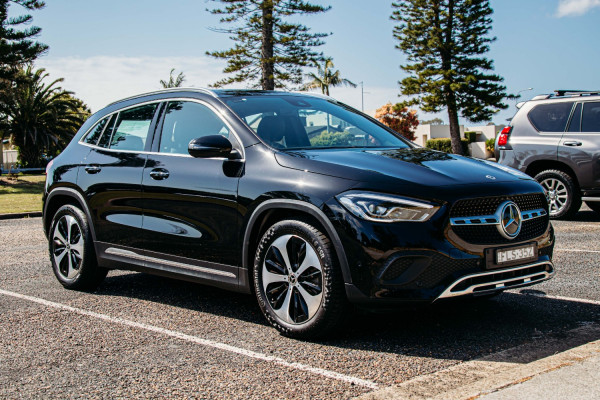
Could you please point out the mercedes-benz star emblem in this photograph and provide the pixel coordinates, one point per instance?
(510, 220)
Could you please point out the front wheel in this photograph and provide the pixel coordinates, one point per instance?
(297, 281)
(564, 200)
(72, 250)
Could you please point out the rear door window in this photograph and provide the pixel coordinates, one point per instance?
(551, 117)
(590, 121)
(97, 131)
(132, 127)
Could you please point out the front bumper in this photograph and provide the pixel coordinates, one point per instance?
(424, 262)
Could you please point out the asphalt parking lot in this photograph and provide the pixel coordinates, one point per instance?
(145, 336)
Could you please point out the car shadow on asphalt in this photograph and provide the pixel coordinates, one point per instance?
(458, 329)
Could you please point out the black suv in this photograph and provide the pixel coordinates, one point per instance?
(556, 139)
(297, 198)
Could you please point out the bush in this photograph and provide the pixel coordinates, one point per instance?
(471, 136)
(489, 145)
(445, 145)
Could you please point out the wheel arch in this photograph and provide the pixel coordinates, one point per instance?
(61, 196)
(542, 165)
(272, 211)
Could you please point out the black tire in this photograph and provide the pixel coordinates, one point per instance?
(72, 252)
(564, 197)
(593, 205)
(301, 319)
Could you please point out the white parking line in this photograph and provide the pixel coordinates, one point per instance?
(574, 299)
(198, 340)
(578, 250)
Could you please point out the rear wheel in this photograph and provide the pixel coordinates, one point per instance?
(297, 281)
(72, 250)
(564, 200)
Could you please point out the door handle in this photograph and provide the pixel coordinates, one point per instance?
(572, 143)
(93, 169)
(159, 174)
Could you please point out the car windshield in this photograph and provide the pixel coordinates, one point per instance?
(291, 122)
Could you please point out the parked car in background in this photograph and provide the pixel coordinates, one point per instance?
(297, 198)
(556, 139)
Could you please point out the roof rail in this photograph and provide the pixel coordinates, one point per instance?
(564, 92)
(169, 90)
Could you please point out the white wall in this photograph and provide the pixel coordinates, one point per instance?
(9, 157)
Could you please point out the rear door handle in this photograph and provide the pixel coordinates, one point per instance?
(159, 174)
(572, 143)
(93, 169)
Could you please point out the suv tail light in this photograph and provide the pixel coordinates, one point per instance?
(503, 139)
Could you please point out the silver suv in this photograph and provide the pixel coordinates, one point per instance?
(556, 139)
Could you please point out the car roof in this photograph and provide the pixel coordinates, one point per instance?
(219, 93)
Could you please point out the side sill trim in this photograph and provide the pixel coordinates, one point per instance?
(133, 255)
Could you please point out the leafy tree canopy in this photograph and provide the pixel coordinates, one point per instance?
(270, 51)
(399, 118)
(41, 117)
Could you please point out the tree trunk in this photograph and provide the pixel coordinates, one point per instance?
(268, 65)
(454, 127)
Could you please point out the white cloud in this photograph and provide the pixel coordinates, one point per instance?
(100, 80)
(575, 7)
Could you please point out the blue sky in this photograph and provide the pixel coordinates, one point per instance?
(111, 49)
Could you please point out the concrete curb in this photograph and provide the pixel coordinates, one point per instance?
(475, 378)
(32, 214)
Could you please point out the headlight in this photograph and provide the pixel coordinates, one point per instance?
(386, 208)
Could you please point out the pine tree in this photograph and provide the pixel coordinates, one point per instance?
(445, 41)
(18, 47)
(269, 51)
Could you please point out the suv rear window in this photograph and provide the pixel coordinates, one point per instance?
(550, 117)
(591, 117)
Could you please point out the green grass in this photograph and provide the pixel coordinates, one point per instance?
(21, 195)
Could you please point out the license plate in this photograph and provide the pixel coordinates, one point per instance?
(515, 254)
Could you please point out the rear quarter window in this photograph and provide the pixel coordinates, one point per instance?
(551, 117)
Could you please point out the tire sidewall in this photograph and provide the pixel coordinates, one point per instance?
(323, 250)
(88, 264)
(572, 196)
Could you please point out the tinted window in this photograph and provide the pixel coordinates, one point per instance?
(591, 117)
(185, 121)
(550, 117)
(294, 122)
(576, 119)
(131, 128)
(94, 134)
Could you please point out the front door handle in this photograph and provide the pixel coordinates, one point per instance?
(93, 169)
(572, 143)
(159, 174)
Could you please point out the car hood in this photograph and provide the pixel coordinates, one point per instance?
(418, 166)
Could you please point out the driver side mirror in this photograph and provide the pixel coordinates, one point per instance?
(213, 146)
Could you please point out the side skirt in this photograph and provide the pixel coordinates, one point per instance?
(125, 258)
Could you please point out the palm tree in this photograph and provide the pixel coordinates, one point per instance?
(174, 81)
(41, 118)
(326, 77)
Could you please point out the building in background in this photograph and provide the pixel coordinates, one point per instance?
(476, 149)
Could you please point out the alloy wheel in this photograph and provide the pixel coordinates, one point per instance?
(292, 278)
(67, 249)
(558, 195)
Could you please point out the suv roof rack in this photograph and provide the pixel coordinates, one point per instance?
(565, 92)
